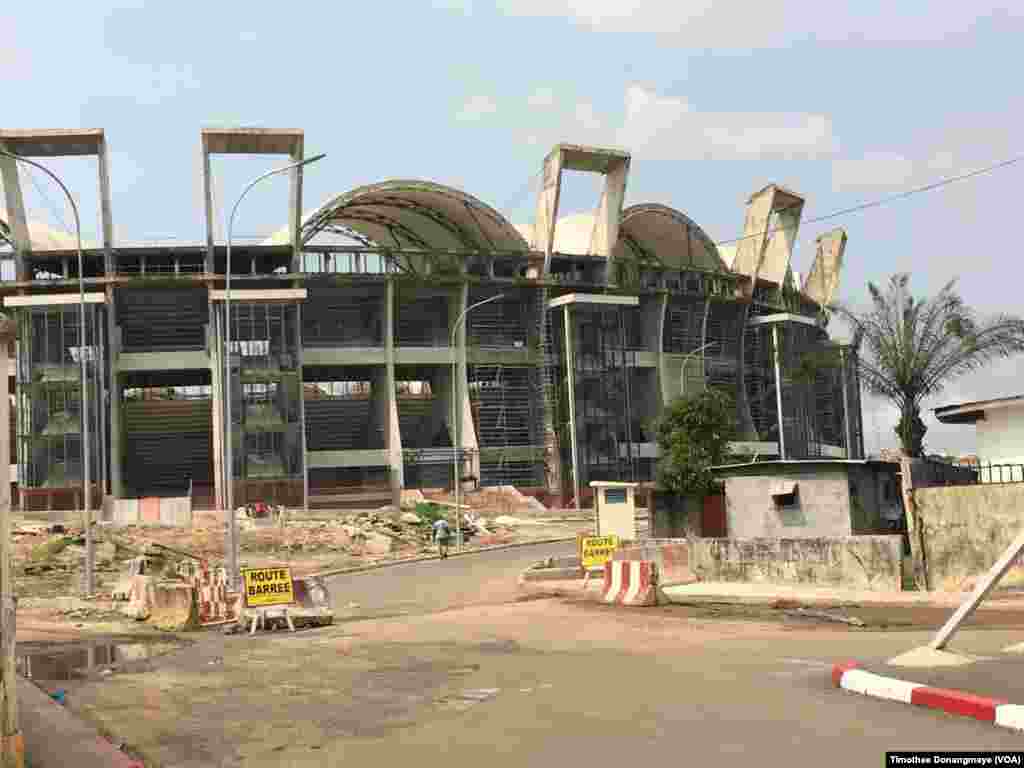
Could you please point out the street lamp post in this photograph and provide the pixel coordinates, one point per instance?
(90, 553)
(456, 421)
(682, 373)
(228, 470)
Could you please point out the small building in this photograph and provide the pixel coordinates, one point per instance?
(811, 498)
(998, 425)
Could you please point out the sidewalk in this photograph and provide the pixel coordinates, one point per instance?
(56, 738)
(776, 594)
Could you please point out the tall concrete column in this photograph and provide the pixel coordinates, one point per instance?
(214, 344)
(302, 407)
(392, 433)
(116, 405)
(16, 218)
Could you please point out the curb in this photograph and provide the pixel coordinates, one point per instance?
(850, 677)
(427, 558)
(814, 601)
(55, 737)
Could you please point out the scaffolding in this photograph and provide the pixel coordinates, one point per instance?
(603, 357)
(266, 381)
(49, 395)
(507, 395)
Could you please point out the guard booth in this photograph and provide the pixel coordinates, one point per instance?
(615, 509)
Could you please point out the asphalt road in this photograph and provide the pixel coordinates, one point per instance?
(403, 681)
(435, 585)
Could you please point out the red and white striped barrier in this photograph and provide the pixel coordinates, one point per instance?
(212, 595)
(850, 678)
(630, 582)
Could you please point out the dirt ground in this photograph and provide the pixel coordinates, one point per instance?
(368, 687)
(48, 560)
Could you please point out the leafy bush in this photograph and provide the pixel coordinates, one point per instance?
(693, 436)
(429, 512)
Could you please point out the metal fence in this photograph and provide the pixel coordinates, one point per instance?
(970, 473)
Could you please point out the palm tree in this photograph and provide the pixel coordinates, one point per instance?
(913, 347)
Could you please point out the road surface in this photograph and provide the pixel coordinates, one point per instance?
(542, 682)
(436, 585)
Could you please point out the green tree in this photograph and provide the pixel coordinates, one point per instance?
(913, 347)
(694, 436)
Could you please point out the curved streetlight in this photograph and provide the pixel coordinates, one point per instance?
(456, 422)
(90, 579)
(228, 469)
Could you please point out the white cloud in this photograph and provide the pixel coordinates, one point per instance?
(671, 128)
(668, 128)
(740, 24)
(873, 170)
(476, 108)
(952, 153)
(542, 97)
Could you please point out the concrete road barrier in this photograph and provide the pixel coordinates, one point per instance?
(630, 582)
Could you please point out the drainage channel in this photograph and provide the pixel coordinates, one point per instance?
(84, 660)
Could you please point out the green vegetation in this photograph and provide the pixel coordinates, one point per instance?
(914, 347)
(694, 436)
(429, 512)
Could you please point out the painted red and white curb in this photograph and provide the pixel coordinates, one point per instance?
(630, 582)
(850, 677)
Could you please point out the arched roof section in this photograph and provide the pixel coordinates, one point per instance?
(415, 214)
(661, 235)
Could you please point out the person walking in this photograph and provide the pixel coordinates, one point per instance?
(442, 535)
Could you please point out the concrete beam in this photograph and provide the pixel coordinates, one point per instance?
(255, 141)
(353, 458)
(163, 361)
(54, 142)
(594, 298)
(782, 317)
(265, 294)
(252, 141)
(53, 299)
(613, 164)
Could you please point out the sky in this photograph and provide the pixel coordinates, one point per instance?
(843, 103)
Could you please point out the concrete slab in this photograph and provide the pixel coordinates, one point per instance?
(929, 657)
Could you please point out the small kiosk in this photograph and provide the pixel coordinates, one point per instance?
(615, 509)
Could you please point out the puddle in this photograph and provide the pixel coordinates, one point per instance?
(81, 661)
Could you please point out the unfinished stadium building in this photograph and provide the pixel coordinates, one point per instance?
(341, 340)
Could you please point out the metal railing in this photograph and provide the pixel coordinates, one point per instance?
(938, 473)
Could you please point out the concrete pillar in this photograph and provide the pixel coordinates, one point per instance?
(302, 407)
(392, 434)
(16, 219)
(295, 205)
(214, 344)
(106, 215)
(116, 405)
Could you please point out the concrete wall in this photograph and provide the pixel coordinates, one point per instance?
(674, 517)
(822, 508)
(854, 562)
(1000, 436)
(874, 499)
(169, 511)
(967, 528)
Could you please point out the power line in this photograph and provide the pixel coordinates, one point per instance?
(885, 200)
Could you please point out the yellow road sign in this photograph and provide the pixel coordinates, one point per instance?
(268, 586)
(597, 550)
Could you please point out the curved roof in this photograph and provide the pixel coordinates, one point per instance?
(415, 214)
(668, 237)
